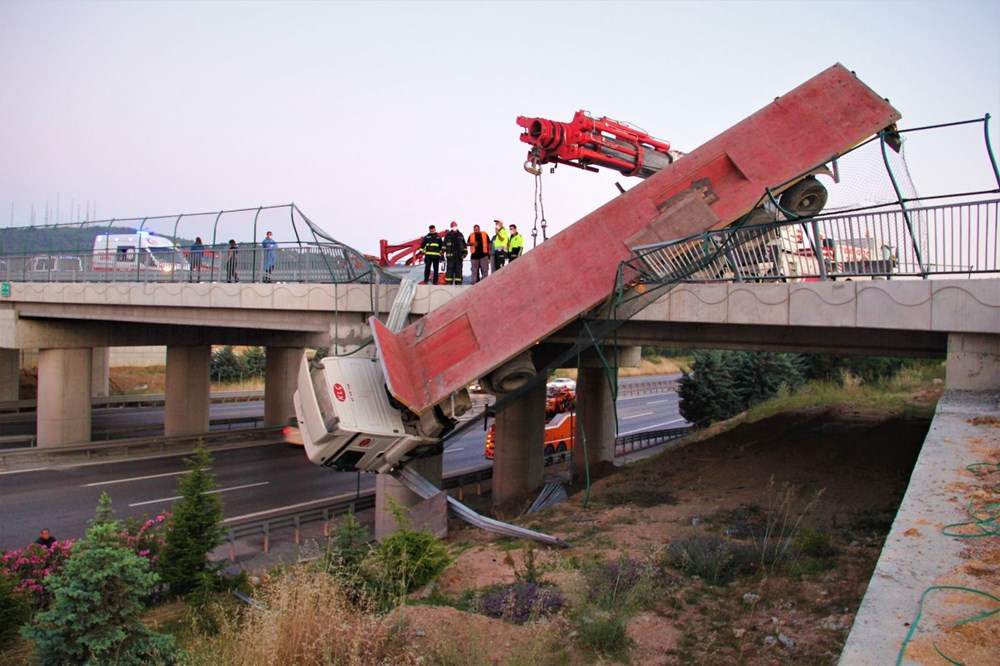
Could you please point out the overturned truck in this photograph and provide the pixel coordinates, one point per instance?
(374, 414)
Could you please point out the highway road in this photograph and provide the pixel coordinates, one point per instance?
(250, 480)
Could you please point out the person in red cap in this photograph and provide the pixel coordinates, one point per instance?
(454, 254)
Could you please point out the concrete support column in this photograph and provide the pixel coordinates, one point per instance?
(430, 515)
(63, 411)
(280, 379)
(10, 373)
(518, 460)
(595, 420)
(186, 410)
(100, 372)
(973, 362)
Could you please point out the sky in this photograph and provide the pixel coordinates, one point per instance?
(378, 119)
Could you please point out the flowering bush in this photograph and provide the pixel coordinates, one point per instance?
(31, 565)
(146, 538)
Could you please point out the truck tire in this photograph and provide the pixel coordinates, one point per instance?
(805, 198)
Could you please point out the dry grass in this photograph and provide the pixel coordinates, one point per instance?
(304, 618)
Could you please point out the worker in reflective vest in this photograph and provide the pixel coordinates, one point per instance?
(501, 241)
(431, 247)
(479, 247)
(454, 254)
(515, 246)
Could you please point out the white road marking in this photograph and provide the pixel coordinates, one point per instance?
(635, 416)
(134, 478)
(655, 425)
(454, 450)
(658, 402)
(210, 492)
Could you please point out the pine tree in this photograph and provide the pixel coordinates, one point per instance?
(195, 527)
(225, 365)
(707, 393)
(253, 362)
(95, 614)
(759, 376)
(104, 512)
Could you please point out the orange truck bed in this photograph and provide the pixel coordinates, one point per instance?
(574, 271)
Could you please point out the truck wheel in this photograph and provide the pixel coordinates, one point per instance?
(805, 198)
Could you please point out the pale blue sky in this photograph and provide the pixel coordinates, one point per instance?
(378, 119)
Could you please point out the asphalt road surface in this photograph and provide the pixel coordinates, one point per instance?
(250, 480)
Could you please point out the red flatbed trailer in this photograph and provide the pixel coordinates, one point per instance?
(574, 271)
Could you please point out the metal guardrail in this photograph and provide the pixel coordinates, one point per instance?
(360, 501)
(113, 434)
(951, 239)
(135, 400)
(639, 441)
(294, 520)
(646, 388)
(99, 450)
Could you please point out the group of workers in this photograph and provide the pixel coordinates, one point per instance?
(483, 251)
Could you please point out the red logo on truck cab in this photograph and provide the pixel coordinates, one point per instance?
(339, 393)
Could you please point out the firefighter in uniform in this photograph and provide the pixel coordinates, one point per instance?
(431, 247)
(515, 246)
(454, 253)
(500, 242)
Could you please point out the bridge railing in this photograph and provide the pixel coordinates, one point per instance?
(951, 239)
(250, 262)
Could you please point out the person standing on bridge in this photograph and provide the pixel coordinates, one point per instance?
(195, 253)
(454, 254)
(515, 246)
(479, 246)
(501, 243)
(431, 247)
(269, 255)
(231, 253)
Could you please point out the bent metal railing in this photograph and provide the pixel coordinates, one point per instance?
(162, 248)
(951, 239)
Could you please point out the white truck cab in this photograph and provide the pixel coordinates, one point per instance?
(347, 421)
(138, 251)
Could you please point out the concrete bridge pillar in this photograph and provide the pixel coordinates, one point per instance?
(280, 379)
(973, 362)
(430, 515)
(63, 411)
(186, 410)
(518, 461)
(595, 420)
(10, 373)
(100, 371)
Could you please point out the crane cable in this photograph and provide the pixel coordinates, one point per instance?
(539, 205)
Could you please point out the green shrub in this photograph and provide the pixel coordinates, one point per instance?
(94, 617)
(15, 609)
(194, 529)
(814, 543)
(602, 632)
(404, 562)
(624, 585)
(715, 560)
(833, 367)
(350, 543)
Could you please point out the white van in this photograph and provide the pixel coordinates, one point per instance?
(139, 251)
